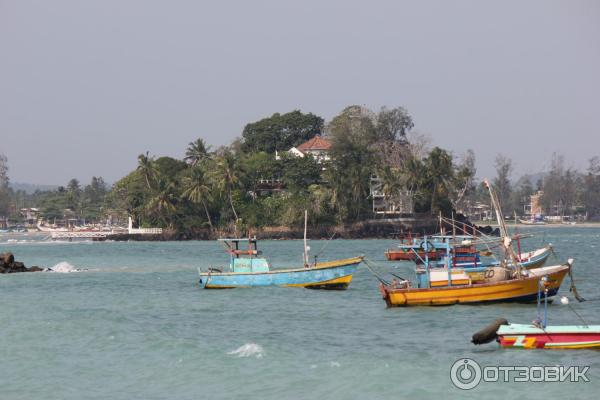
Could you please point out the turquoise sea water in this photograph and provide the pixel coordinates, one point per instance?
(135, 325)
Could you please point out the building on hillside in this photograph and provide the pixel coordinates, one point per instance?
(400, 205)
(477, 211)
(318, 147)
(267, 187)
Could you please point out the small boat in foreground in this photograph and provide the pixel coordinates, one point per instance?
(549, 337)
(247, 269)
(538, 334)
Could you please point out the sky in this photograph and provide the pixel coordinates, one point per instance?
(86, 86)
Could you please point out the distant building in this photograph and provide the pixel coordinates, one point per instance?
(318, 147)
(534, 207)
(30, 215)
(400, 205)
(477, 211)
(267, 187)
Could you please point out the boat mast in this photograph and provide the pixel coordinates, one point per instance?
(305, 245)
(506, 239)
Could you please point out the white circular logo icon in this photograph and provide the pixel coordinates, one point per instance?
(465, 374)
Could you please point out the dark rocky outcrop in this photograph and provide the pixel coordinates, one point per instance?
(8, 265)
(419, 224)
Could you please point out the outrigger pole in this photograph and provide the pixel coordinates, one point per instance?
(506, 239)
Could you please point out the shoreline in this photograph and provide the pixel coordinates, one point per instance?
(553, 226)
(367, 230)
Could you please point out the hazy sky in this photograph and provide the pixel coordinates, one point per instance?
(86, 86)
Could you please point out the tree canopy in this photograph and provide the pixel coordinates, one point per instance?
(280, 131)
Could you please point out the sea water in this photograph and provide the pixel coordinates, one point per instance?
(127, 320)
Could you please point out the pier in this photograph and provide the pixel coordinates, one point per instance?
(81, 235)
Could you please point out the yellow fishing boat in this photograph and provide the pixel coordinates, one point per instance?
(462, 290)
(448, 282)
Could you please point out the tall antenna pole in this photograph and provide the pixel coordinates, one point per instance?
(305, 245)
(506, 239)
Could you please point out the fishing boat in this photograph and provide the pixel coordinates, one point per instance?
(445, 283)
(410, 252)
(533, 221)
(530, 336)
(464, 253)
(247, 268)
(446, 286)
(538, 334)
(467, 256)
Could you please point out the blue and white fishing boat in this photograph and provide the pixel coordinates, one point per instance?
(247, 269)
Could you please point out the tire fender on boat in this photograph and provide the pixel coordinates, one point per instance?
(488, 333)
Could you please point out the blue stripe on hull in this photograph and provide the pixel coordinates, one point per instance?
(299, 277)
(530, 298)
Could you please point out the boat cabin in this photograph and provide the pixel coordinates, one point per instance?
(245, 259)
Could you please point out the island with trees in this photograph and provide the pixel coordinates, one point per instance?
(358, 172)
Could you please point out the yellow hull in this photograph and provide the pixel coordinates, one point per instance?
(576, 346)
(343, 281)
(520, 290)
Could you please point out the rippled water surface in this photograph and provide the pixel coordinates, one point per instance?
(135, 325)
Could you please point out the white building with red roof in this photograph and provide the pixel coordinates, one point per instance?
(318, 147)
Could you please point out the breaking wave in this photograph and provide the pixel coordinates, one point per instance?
(248, 350)
(64, 268)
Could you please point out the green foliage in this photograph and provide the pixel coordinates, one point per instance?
(393, 124)
(280, 132)
(352, 134)
(559, 187)
(300, 172)
(502, 182)
(591, 191)
(4, 189)
(438, 180)
(196, 152)
(244, 186)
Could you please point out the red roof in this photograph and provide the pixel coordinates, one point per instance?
(316, 143)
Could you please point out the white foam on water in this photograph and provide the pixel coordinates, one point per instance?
(248, 350)
(64, 267)
(334, 364)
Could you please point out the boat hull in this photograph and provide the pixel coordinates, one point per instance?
(517, 336)
(410, 255)
(534, 259)
(332, 275)
(513, 290)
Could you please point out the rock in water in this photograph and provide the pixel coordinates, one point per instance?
(8, 265)
(7, 258)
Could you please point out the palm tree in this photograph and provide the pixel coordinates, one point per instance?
(74, 196)
(163, 201)
(391, 184)
(197, 189)
(196, 151)
(226, 176)
(147, 168)
(440, 174)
